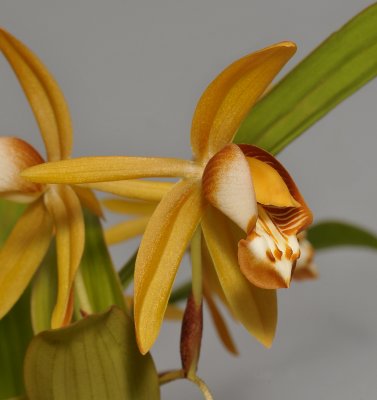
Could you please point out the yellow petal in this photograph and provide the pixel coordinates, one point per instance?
(88, 200)
(22, 253)
(255, 308)
(270, 188)
(130, 207)
(228, 99)
(44, 95)
(292, 219)
(210, 277)
(102, 169)
(126, 230)
(65, 209)
(15, 156)
(220, 324)
(134, 189)
(162, 247)
(228, 186)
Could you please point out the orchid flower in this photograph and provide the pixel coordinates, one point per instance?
(53, 209)
(238, 194)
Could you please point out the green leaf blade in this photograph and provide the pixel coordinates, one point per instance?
(342, 64)
(100, 280)
(96, 358)
(15, 327)
(328, 234)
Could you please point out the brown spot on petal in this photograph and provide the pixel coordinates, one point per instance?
(270, 256)
(288, 252)
(278, 254)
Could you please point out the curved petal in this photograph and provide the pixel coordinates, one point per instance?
(103, 169)
(219, 322)
(15, 156)
(89, 200)
(255, 308)
(130, 207)
(134, 189)
(228, 186)
(22, 253)
(290, 220)
(126, 230)
(228, 99)
(44, 95)
(270, 188)
(65, 209)
(162, 247)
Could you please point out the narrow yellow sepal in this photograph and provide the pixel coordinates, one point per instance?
(162, 247)
(44, 95)
(255, 308)
(126, 230)
(22, 253)
(133, 188)
(228, 99)
(104, 169)
(65, 208)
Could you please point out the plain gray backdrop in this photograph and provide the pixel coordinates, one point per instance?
(132, 72)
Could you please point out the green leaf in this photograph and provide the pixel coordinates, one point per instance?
(328, 234)
(9, 214)
(93, 359)
(97, 283)
(44, 292)
(15, 327)
(343, 63)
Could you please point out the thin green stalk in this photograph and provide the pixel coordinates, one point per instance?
(126, 273)
(196, 261)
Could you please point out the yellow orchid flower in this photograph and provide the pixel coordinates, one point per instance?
(236, 193)
(54, 209)
(141, 212)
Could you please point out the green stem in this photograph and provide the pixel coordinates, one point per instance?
(171, 376)
(82, 293)
(196, 261)
(202, 386)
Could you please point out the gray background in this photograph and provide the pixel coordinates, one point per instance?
(132, 72)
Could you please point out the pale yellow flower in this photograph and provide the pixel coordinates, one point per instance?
(54, 210)
(238, 194)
